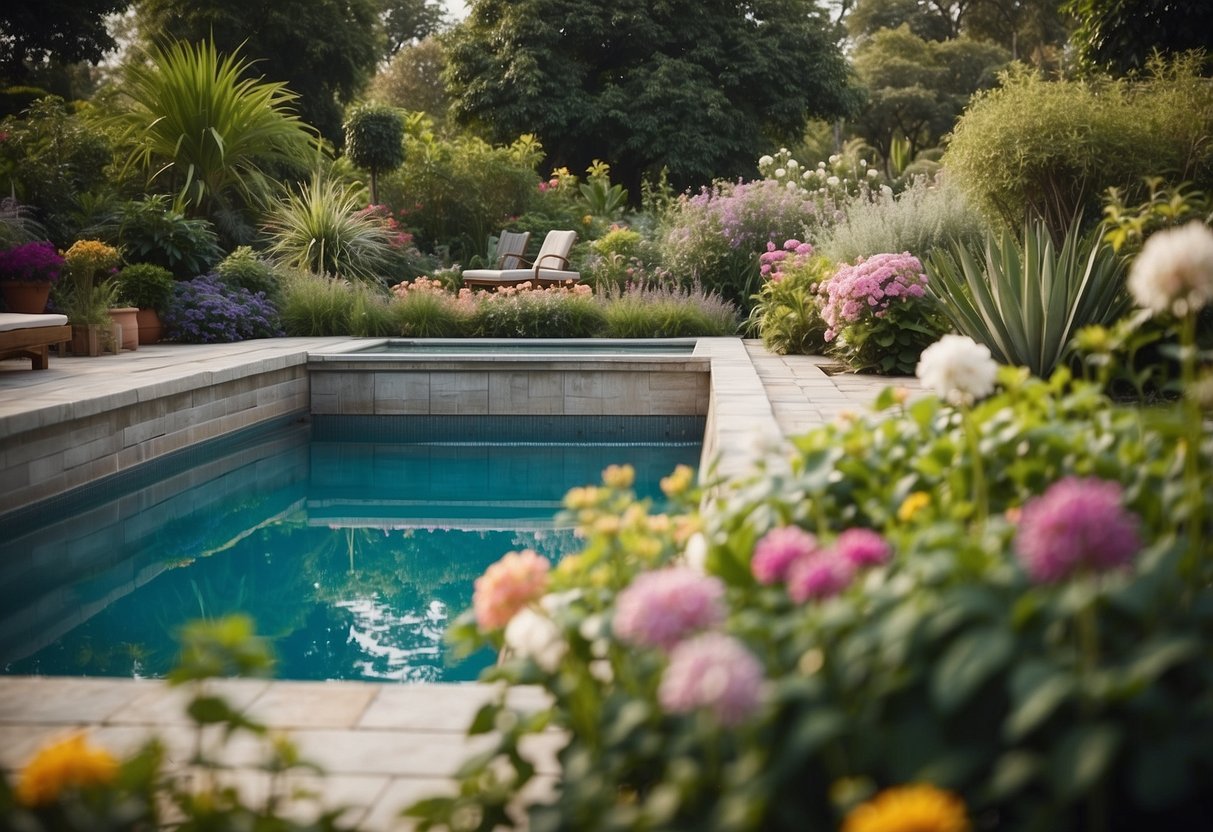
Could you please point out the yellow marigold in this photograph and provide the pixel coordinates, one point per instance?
(916, 808)
(619, 476)
(62, 764)
(677, 482)
(91, 255)
(913, 504)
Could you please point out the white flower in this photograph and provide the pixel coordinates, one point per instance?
(808, 174)
(1174, 270)
(958, 369)
(886, 191)
(696, 554)
(834, 159)
(873, 173)
(863, 163)
(833, 181)
(792, 185)
(536, 637)
(780, 173)
(821, 165)
(793, 164)
(764, 161)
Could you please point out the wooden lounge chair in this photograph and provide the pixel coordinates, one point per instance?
(30, 336)
(511, 245)
(550, 267)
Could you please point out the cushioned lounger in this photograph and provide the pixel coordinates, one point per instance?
(30, 336)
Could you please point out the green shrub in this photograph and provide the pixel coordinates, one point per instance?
(424, 309)
(151, 230)
(921, 217)
(318, 305)
(658, 310)
(1026, 300)
(619, 257)
(539, 313)
(787, 311)
(374, 140)
(245, 269)
(1048, 149)
(146, 286)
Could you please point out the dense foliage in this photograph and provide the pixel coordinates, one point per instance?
(206, 310)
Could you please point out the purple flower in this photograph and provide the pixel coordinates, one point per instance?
(660, 608)
(712, 671)
(206, 310)
(1076, 525)
(819, 576)
(778, 550)
(36, 262)
(862, 547)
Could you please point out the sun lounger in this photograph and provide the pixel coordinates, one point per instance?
(550, 267)
(30, 336)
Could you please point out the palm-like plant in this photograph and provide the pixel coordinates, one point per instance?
(322, 230)
(1025, 301)
(199, 122)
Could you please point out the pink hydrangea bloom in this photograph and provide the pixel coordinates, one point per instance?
(661, 608)
(712, 671)
(1076, 525)
(821, 575)
(862, 547)
(870, 286)
(777, 550)
(507, 586)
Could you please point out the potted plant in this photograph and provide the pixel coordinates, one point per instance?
(87, 295)
(149, 288)
(27, 273)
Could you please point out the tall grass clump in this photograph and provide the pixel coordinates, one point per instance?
(554, 312)
(323, 229)
(923, 216)
(424, 309)
(317, 305)
(667, 311)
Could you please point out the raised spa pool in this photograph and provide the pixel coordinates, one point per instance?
(531, 346)
(352, 543)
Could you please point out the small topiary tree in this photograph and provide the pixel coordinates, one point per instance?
(374, 139)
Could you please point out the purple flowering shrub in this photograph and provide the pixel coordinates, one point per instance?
(859, 620)
(787, 309)
(205, 310)
(36, 262)
(876, 315)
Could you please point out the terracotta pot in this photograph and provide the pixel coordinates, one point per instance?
(150, 327)
(127, 318)
(26, 298)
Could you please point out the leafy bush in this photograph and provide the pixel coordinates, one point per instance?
(869, 627)
(205, 310)
(662, 310)
(146, 286)
(318, 305)
(374, 140)
(1048, 149)
(554, 312)
(619, 257)
(923, 216)
(322, 229)
(787, 312)
(244, 269)
(1026, 300)
(151, 230)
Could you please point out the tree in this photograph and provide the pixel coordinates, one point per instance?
(1120, 35)
(374, 140)
(406, 22)
(323, 50)
(926, 21)
(698, 87)
(413, 80)
(34, 31)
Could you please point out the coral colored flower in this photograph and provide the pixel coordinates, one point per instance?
(917, 808)
(661, 608)
(958, 369)
(819, 576)
(1174, 271)
(778, 550)
(66, 763)
(862, 547)
(712, 671)
(507, 586)
(913, 504)
(1076, 525)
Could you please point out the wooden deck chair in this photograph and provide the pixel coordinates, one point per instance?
(550, 267)
(30, 336)
(511, 246)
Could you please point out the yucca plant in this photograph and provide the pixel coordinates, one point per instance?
(1026, 300)
(321, 228)
(203, 125)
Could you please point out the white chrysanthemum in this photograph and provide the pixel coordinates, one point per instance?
(1174, 271)
(873, 173)
(958, 369)
(780, 173)
(808, 174)
(833, 181)
(793, 164)
(765, 160)
(537, 637)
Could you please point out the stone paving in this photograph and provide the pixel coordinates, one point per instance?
(381, 745)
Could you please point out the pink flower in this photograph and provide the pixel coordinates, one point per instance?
(778, 550)
(712, 671)
(660, 608)
(862, 547)
(507, 586)
(1076, 525)
(819, 576)
(870, 285)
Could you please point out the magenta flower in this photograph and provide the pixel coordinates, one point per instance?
(819, 576)
(778, 550)
(712, 671)
(661, 608)
(1076, 525)
(862, 547)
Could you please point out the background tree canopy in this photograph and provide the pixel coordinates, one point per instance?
(701, 87)
(32, 31)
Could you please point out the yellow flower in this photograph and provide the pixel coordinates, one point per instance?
(587, 219)
(917, 808)
(677, 482)
(913, 504)
(65, 763)
(619, 476)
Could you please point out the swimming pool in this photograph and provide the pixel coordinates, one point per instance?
(530, 346)
(351, 555)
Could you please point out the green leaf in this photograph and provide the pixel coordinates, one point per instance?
(1012, 772)
(1081, 758)
(207, 710)
(1038, 697)
(485, 719)
(970, 660)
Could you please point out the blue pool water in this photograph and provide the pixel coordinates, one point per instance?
(533, 346)
(353, 556)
